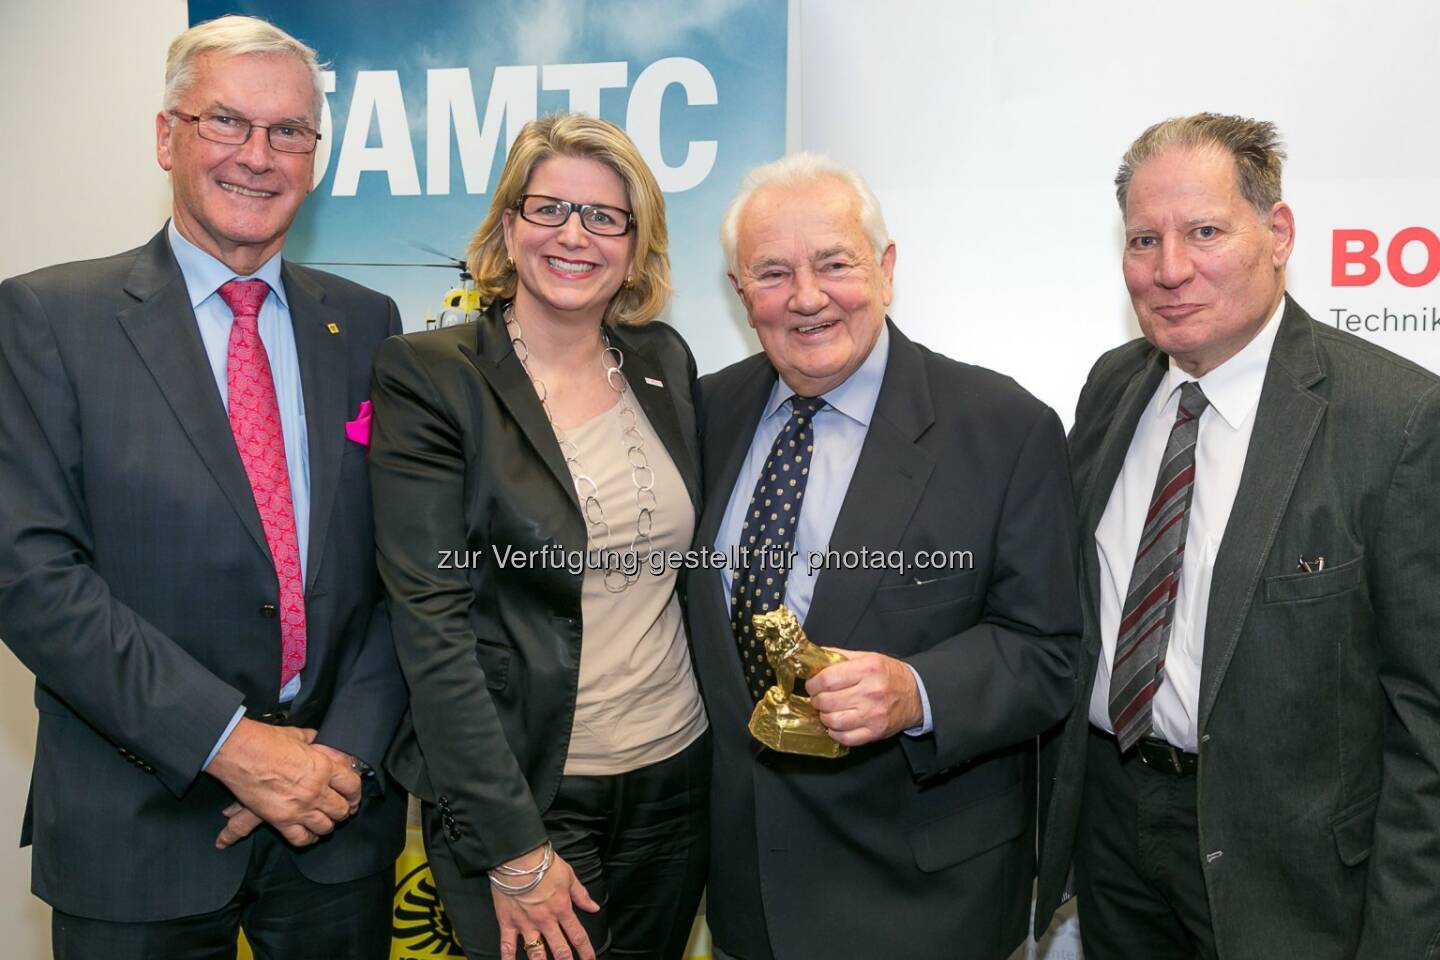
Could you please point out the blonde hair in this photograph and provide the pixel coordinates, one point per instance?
(576, 135)
(1253, 144)
(233, 36)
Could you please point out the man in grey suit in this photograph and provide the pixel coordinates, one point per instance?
(1252, 768)
(186, 554)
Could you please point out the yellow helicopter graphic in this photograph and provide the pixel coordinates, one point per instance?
(461, 303)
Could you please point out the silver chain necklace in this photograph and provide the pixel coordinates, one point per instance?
(619, 572)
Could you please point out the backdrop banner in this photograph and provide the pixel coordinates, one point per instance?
(422, 105)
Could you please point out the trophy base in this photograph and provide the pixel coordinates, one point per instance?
(791, 725)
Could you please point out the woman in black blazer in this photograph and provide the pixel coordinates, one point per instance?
(528, 473)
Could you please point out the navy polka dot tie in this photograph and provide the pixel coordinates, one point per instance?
(767, 538)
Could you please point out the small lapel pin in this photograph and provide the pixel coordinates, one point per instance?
(653, 382)
(333, 327)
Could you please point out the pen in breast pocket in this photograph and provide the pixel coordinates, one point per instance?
(1310, 566)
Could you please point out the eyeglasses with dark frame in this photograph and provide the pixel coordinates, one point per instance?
(234, 131)
(597, 218)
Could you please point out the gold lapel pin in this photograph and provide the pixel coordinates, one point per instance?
(333, 327)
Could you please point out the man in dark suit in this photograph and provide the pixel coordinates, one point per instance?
(186, 555)
(926, 506)
(1252, 764)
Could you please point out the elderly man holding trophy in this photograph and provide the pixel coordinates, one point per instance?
(885, 799)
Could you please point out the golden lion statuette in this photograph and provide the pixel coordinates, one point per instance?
(783, 720)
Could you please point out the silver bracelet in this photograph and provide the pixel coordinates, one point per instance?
(515, 891)
(506, 870)
(536, 874)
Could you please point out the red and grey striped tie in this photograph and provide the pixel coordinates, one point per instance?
(1149, 609)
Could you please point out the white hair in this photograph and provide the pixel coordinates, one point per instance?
(233, 36)
(795, 170)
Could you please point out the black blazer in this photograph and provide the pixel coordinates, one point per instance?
(135, 580)
(910, 845)
(463, 464)
(1319, 692)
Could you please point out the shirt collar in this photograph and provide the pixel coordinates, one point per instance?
(1233, 388)
(204, 274)
(857, 395)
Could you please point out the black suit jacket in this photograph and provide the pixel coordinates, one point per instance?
(464, 464)
(1320, 692)
(135, 579)
(911, 845)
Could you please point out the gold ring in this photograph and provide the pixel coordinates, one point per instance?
(536, 944)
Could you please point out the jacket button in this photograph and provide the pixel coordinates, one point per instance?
(267, 610)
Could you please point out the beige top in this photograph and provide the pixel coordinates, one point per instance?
(638, 702)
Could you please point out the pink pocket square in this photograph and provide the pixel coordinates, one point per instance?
(358, 430)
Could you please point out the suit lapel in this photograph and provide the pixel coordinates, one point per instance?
(732, 413)
(324, 371)
(1100, 473)
(731, 419)
(655, 398)
(163, 330)
(497, 363)
(1286, 419)
(888, 482)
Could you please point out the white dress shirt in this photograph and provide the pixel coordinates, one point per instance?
(1233, 389)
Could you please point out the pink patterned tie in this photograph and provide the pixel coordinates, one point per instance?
(255, 421)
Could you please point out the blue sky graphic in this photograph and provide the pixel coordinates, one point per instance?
(740, 42)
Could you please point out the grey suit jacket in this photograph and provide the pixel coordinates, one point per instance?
(1319, 776)
(912, 845)
(135, 580)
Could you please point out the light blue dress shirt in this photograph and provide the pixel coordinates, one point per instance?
(204, 276)
(840, 428)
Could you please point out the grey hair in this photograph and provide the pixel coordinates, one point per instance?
(234, 36)
(799, 169)
(1254, 145)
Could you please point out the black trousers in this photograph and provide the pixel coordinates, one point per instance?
(1139, 879)
(638, 841)
(285, 916)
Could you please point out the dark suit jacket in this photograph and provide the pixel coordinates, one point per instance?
(464, 462)
(912, 845)
(135, 579)
(1319, 779)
